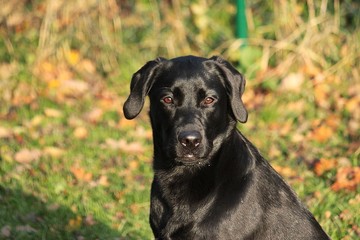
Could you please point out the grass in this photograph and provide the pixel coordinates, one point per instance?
(71, 166)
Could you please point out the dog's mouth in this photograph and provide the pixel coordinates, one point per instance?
(190, 160)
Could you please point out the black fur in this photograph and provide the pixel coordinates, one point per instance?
(210, 182)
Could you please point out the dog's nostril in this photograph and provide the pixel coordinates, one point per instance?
(190, 139)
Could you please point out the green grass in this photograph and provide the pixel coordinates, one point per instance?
(82, 183)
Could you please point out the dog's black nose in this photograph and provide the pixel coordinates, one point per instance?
(190, 139)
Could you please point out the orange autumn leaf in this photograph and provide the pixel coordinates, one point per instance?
(135, 208)
(285, 171)
(321, 93)
(74, 223)
(347, 178)
(322, 133)
(324, 165)
(80, 133)
(27, 156)
(80, 174)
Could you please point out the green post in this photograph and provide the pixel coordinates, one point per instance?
(241, 24)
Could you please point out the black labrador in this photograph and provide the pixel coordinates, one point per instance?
(210, 182)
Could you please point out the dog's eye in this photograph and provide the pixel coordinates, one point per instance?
(168, 100)
(208, 100)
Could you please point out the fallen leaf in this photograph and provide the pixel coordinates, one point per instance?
(74, 223)
(95, 115)
(119, 215)
(355, 200)
(16, 18)
(53, 207)
(347, 178)
(103, 181)
(72, 88)
(27, 155)
(5, 132)
(346, 215)
(285, 171)
(135, 208)
(80, 174)
(356, 228)
(333, 121)
(25, 228)
(133, 147)
(133, 165)
(80, 133)
(292, 82)
(52, 112)
(321, 93)
(6, 231)
(24, 93)
(322, 133)
(36, 121)
(53, 152)
(311, 70)
(274, 152)
(89, 220)
(87, 65)
(352, 104)
(324, 165)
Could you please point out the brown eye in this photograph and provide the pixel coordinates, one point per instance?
(208, 100)
(168, 100)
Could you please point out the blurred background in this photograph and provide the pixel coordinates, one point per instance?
(71, 166)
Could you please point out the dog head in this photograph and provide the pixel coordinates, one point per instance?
(194, 104)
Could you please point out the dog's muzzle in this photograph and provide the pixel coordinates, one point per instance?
(189, 144)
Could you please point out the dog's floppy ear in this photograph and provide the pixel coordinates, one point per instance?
(140, 86)
(236, 85)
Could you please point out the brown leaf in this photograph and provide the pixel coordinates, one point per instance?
(72, 88)
(321, 93)
(133, 165)
(285, 171)
(327, 214)
(135, 208)
(36, 121)
(27, 155)
(133, 147)
(324, 165)
(80, 174)
(292, 82)
(6, 231)
(95, 115)
(87, 65)
(74, 223)
(52, 112)
(80, 133)
(353, 104)
(103, 181)
(347, 178)
(346, 215)
(355, 200)
(322, 133)
(5, 132)
(89, 220)
(53, 152)
(25, 228)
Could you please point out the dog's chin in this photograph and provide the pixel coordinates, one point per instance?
(191, 160)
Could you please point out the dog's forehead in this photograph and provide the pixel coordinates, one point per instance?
(189, 75)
